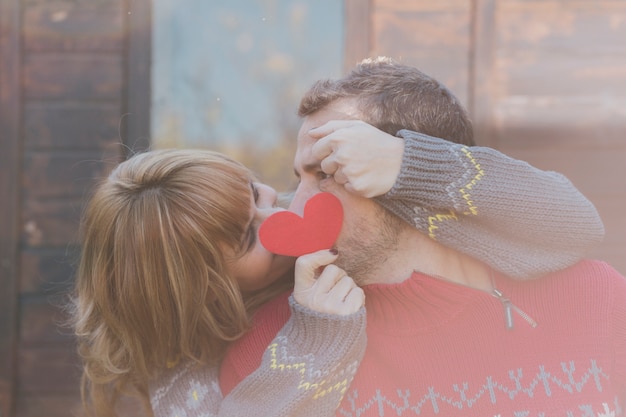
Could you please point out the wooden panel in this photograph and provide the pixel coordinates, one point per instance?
(10, 115)
(71, 126)
(68, 405)
(73, 77)
(63, 25)
(50, 223)
(43, 323)
(47, 369)
(139, 96)
(64, 405)
(63, 173)
(611, 208)
(544, 73)
(358, 32)
(557, 122)
(48, 270)
(480, 89)
(432, 36)
(553, 23)
(599, 173)
(549, 48)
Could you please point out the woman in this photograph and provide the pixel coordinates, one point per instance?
(171, 271)
(169, 275)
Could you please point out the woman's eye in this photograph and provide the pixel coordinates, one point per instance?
(255, 193)
(250, 239)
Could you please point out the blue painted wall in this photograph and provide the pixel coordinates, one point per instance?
(229, 74)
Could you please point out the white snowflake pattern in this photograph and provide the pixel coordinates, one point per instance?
(196, 394)
(176, 411)
(607, 411)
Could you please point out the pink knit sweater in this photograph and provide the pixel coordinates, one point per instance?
(436, 348)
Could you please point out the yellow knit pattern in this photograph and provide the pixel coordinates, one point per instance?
(465, 191)
(301, 367)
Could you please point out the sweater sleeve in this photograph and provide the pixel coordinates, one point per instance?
(520, 220)
(305, 371)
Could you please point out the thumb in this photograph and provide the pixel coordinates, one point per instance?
(308, 268)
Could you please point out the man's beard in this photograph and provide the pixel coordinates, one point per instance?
(370, 244)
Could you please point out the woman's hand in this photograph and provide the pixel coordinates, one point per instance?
(365, 160)
(324, 287)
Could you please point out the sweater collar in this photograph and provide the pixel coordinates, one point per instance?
(420, 303)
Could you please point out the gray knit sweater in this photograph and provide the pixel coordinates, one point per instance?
(305, 372)
(520, 220)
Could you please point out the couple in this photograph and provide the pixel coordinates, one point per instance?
(475, 299)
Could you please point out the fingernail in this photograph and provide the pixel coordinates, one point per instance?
(333, 251)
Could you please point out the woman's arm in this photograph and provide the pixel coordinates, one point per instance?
(518, 219)
(304, 372)
(306, 368)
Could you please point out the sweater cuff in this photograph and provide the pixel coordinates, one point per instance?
(314, 332)
(429, 166)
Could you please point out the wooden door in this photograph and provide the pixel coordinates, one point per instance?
(74, 98)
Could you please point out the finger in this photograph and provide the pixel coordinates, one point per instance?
(345, 298)
(323, 147)
(354, 300)
(340, 177)
(350, 188)
(329, 278)
(342, 287)
(330, 127)
(307, 268)
(329, 165)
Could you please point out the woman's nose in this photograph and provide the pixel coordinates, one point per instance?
(302, 194)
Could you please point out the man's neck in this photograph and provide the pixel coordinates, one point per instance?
(418, 253)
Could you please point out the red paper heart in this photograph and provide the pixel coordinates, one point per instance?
(286, 233)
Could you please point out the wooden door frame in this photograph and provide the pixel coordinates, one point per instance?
(10, 182)
(138, 94)
(357, 31)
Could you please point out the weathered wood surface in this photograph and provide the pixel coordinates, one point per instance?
(545, 81)
(10, 114)
(74, 87)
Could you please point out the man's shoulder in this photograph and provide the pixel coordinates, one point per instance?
(274, 312)
(591, 269)
(591, 276)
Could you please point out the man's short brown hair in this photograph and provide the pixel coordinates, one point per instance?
(393, 96)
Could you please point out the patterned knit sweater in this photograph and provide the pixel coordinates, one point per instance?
(528, 222)
(516, 218)
(436, 348)
(306, 369)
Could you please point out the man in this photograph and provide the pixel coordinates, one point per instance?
(448, 334)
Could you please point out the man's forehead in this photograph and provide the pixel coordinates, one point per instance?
(344, 109)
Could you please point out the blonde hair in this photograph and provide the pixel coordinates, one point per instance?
(152, 285)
